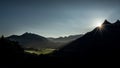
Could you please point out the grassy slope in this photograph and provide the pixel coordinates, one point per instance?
(41, 51)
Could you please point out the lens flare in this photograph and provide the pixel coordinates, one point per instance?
(99, 25)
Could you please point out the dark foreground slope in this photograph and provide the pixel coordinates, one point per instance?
(10, 53)
(100, 46)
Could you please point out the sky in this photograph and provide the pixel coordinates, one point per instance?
(54, 18)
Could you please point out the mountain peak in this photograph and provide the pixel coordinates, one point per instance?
(106, 22)
(33, 36)
(117, 22)
(26, 33)
(97, 39)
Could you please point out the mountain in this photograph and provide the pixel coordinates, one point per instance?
(66, 39)
(101, 45)
(29, 40)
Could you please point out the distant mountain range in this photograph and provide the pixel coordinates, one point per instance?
(66, 38)
(30, 40)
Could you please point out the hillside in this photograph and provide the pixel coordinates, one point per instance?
(29, 40)
(101, 44)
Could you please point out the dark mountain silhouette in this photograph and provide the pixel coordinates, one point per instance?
(10, 53)
(30, 40)
(106, 23)
(101, 45)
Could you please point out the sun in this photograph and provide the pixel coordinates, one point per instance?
(99, 25)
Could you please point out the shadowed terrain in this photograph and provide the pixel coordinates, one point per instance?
(100, 46)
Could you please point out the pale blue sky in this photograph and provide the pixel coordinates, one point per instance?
(54, 18)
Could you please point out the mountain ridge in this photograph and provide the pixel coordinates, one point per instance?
(31, 40)
(101, 40)
(69, 38)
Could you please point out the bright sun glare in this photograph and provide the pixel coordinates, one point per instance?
(98, 24)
